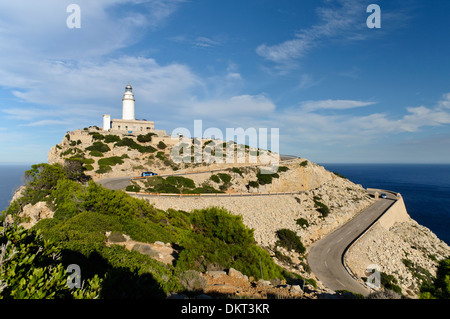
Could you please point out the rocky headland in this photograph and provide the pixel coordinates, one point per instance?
(404, 249)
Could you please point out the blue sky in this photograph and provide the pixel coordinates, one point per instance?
(337, 90)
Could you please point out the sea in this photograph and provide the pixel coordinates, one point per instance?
(425, 188)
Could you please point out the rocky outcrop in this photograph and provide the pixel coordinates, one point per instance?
(408, 251)
(32, 214)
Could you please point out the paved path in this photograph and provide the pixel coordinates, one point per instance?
(116, 183)
(326, 256)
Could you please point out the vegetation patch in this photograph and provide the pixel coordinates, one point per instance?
(98, 147)
(303, 223)
(321, 207)
(221, 238)
(304, 164)
(289, 240)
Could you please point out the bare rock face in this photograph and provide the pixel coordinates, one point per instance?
(34, 213)
(408, 251)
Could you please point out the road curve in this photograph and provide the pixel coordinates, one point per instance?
(115, 183)
(326, 256)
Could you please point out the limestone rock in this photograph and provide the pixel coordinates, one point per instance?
(34, 213)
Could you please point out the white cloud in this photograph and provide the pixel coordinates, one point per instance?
(227, 108)
(334, 21)
(309, 106)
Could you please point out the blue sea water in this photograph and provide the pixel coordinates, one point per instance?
(425, 189)
(11, 178)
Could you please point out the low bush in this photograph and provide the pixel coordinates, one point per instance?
(221, 238)
(99, 147)
(321, 207)
(112, 138)
(215, 179)
(237, 171)
(103, 169)
(303, 223)
(253, 184)
(289, 240)
(145, 138)
(133, 188)
(192, 281)
(226, 178)
(161, 145)
(110, 161)
(96, 154)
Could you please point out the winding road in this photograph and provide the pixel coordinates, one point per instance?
(326, 257)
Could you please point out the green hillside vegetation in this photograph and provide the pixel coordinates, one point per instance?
(176, 185)
(77, 233)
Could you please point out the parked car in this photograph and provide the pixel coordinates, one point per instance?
(145, 174)
(383, 195)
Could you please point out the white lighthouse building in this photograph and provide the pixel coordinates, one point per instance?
(128, 104)
(128, 124)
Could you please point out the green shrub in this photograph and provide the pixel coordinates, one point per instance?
(264, 179)
(221, 238)
(161, 145)
(145, 138)
(97, 136)
(215, 179)
(133, 145)
(161, 156)
(99, 147)
(181, 182)
(133, 188)
(226, 178)
(89, 161)
(103, 169)
(321, 207)
(303, 223)
(283, 169)
(389, 282)
(116, 237)
(440, 287)
(253, 184)
(29, 269)
(112, 138)
(289, 240)
(88, 167)
(96, 154)
(304, 164)
(110, 161)
(237, 171)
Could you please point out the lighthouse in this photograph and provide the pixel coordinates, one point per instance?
(128, 104)
(128, 124)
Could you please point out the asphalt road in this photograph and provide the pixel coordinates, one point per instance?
(326, 256)
(115, 183)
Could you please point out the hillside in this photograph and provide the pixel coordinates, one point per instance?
(225, 217)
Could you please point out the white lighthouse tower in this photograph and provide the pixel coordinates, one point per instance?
(128, 104)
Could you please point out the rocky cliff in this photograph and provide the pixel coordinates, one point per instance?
(403, 249)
